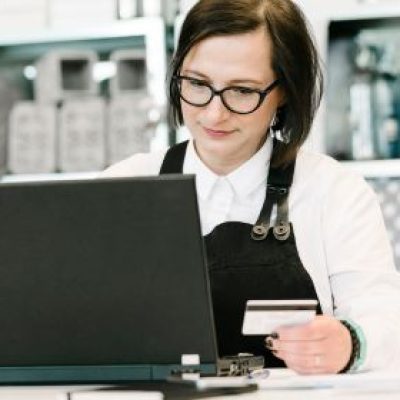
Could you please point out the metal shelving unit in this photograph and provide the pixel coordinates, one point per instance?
(146, 33)
(338, 11)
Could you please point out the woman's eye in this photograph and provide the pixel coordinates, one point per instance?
(196, 83)
(243, 90)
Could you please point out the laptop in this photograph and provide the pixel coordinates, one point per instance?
(102, 281)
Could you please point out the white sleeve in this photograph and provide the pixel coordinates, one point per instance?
(365, 284)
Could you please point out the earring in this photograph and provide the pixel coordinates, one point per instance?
(277, 126)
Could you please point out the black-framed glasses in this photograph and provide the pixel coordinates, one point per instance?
(237, 99)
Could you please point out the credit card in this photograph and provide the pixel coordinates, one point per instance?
(262, 317)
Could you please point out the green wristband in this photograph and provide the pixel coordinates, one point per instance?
(358, 346)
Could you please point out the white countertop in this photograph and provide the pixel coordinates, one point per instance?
(362, 386)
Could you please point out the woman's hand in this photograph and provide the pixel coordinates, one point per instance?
(322, 346)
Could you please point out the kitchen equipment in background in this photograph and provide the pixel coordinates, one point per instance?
(32, 138)
(82, 135)
(363, 100)
(20, 68)
(130, 128)
(361, 107)
(133, 114)
(65, 79)
(372, 101)
(8, 97)
(62, 74)
(130, 76)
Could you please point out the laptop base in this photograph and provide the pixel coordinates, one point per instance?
(92, 374)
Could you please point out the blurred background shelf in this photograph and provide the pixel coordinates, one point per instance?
(359, 118)
(133, 27)
(19, 54)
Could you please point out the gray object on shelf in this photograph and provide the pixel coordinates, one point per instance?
(131, 72)
(8, 96)
(62, 74)
(82, 135)
(130, 128)
(147, 35)
(32, 138)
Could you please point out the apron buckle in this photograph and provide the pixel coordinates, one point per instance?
(281, 231)
(259, 231)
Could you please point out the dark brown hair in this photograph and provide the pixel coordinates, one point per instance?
(294, 58)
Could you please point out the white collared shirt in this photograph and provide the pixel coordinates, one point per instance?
(339, 231)
(237, 196)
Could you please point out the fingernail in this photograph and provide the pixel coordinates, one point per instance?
(275, 335)
(269, 344)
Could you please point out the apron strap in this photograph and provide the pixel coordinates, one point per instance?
(282, 227)
(278, 185)
(174, 158)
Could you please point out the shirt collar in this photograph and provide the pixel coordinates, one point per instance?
(244, 179)
(253, 172)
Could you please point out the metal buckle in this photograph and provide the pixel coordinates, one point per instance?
(281, 231)
(278, 190)
(259, 231)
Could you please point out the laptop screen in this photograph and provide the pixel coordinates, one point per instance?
(103, 272)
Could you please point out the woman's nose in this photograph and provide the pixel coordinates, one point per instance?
(216, 111)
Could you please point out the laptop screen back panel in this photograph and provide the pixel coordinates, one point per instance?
(102, 273)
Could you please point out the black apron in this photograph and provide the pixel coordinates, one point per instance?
(249, 262)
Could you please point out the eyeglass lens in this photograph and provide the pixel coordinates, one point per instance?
(238, 99)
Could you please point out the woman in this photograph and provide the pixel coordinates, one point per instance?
(246, 82)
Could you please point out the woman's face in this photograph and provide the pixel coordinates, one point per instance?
(223, 139)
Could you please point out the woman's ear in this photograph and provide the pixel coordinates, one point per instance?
(277, 127)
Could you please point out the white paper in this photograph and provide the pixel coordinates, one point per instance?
(116, 395)
(222, 382)
(287, 379)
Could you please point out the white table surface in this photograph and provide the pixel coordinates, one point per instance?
(366, 386)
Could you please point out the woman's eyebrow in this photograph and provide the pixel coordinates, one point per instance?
(231, 82)
(252, 81)
(190, 71)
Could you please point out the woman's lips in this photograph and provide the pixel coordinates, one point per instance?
(217, 132)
